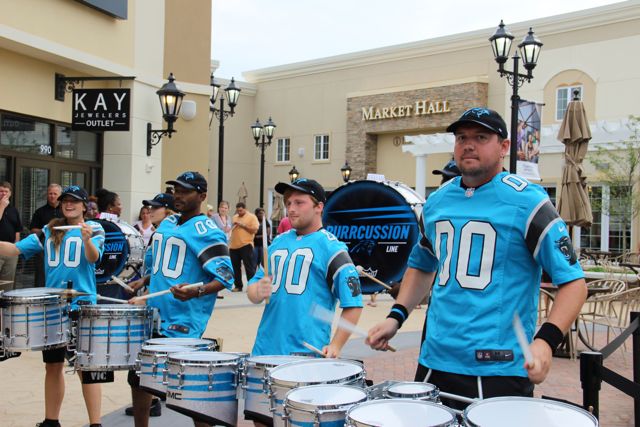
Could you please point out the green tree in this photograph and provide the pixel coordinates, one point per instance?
(618, 165)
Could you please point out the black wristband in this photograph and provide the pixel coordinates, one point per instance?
(550, 334)
(398, 312)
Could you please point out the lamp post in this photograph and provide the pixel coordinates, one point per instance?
(293, 174)
(233, 93)
(346, 172)
(259, 134)
(170, 102)
(529, 52)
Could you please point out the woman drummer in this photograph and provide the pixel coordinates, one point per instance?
(70, 256)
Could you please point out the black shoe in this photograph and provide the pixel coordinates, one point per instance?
(154, 411)
(48, 423)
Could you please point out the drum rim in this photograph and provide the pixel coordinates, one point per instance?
(465, 413)
(206, 341)
(145, 350)
(172, 359)
(44, 297)
(250, 361)
(288, 384)
(402, 402)
(429, 394)
(114, 309)
(311, 408)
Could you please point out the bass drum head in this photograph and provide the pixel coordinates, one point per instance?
(123, 246)
(378, 221)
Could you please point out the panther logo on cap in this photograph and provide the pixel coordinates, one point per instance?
(188, 175)
(72, 188)
(478, 112)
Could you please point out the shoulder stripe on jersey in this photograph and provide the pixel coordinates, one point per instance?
(99, 232)
(338, 261)
(538, 223)
(214, 251)
(41, 238)
(544, 233)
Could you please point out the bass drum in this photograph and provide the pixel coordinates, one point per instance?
(123, 251)
(378, 221)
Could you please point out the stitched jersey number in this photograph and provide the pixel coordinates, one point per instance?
(298, 266)
(483, 232)
(72, 253)
(173, 243)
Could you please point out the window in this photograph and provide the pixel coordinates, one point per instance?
(283, 150)
(25, 135)
(321, 148)
(563, 96)
(612, 232)
(551, 192)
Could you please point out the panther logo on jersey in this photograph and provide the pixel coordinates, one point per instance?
(354, 285)
(225, 273)
(565, 246)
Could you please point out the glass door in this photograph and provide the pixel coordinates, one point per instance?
(30, 190)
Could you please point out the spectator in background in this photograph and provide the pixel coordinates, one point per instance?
(10, 227)
(222, 218)
(285, 225)
(258, 244)
(109, 204)
(144, 224)
(92, 208)
(245, 226)
(40, 218)
(210, 211)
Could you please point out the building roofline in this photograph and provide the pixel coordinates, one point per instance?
(572, 21)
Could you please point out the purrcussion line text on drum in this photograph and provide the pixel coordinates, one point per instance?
(388, 231)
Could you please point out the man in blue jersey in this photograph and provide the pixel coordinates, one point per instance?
(487, 235)
(307, 265)
(186, 248)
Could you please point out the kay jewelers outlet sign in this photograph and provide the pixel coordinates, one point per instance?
(101, 109)
(419, 108)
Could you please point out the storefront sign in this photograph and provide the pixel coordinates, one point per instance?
(101, 109)
(420, 108)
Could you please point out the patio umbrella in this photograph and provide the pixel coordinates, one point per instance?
(574, 205)
(278, 208)
(243, 194)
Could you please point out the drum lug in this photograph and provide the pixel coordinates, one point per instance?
(210, 376)
(138, 367)
(285, 415)
(154, 364)
(181, 376)
(316, 418)
(165, 376)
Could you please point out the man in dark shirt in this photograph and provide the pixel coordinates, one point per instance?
(10, 227)
(40, 218)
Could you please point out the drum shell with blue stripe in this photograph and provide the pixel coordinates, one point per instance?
(110, 336)
(203, 385)
(152, 366)
(322, 405)
(32, 319)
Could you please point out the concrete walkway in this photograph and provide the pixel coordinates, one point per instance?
(235, 320)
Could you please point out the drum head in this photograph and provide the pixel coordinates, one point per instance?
(116, 252)
(202, 358)
(378, 223)
(163, 349)
(29, 295)
(271, 361)
(402, 413)
(502, 411)
(115, 310)
(315, 371)
(412, 390)
(185, 342)
(325, 396)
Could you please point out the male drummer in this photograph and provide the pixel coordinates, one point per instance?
(187, 248)
(486, 234)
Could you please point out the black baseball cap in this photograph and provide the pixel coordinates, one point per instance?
(161, 200)
(449, 170)
(484, 117)
(304, 185)
(191, 181)
(76, 192)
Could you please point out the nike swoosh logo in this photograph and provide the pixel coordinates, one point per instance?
(561, 229)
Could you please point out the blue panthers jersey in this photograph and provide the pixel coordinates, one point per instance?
(67, 261)
(310, 269)
(489, 246)
(192, 252)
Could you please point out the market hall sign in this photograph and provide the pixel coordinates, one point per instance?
(98, 110)
(420, 108)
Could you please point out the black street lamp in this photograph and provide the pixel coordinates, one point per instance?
(259, 133)
(293, 174)
(170, 102)
(346, 172)
(529, 52)
(233, 93)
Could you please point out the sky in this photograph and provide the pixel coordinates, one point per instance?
(253, 34)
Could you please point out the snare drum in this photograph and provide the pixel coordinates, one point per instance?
(203, 384)
(152, 367)
(412, 390)
(286, 377)
(528, 411)
(254, 375)
(401, 413)
(123, 248)
(110, 336)
(320, 405)
(33, 319)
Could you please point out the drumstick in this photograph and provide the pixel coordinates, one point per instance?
(117, 300)
(326, 316)
(65, 292)
(265, 251)
(121, 283)
(522, 340)
(73, 227)
(166, 291)
(361, 272)
(314, 349)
